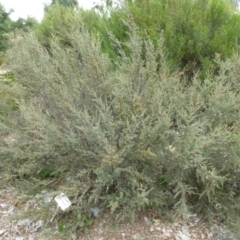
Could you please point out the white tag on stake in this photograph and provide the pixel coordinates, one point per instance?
(62, 201)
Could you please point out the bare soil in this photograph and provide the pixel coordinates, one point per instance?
(18, 223)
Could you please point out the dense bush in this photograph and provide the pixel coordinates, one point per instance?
(131, 137)
(194, 31)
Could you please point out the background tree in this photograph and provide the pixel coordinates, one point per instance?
(24, 24)
(194, 31)
(66, 3)
(5, 26)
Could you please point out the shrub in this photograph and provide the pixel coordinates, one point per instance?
(112, 24)
(1, 58)
(194, 31)
(132, 136)
(9, 90)
(57, 21)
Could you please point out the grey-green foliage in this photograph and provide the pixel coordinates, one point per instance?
(132, 136)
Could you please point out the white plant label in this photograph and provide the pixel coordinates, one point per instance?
(62, 201)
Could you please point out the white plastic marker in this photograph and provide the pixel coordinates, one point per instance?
(62, 201)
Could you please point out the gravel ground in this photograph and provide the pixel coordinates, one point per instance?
(18, 223)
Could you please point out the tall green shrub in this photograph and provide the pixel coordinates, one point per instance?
(194, 31)
(112, 24)
(131, 136)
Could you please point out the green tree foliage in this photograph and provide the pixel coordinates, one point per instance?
(194, 31)
(66, 3)
(5, 26)
(132, 136)
(111, 26)
(24, 24)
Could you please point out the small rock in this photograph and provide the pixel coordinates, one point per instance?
(19, 238)
(183, 235)
(38, 225)
(148, 220)
(73, 236)
(2, 231)
(2, 205)
(47, 199)
(11, 209)
(151, 229)
(26, 222)
(156, 222)
(94, 211)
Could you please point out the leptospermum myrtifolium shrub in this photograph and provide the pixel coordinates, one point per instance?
(132, 136)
